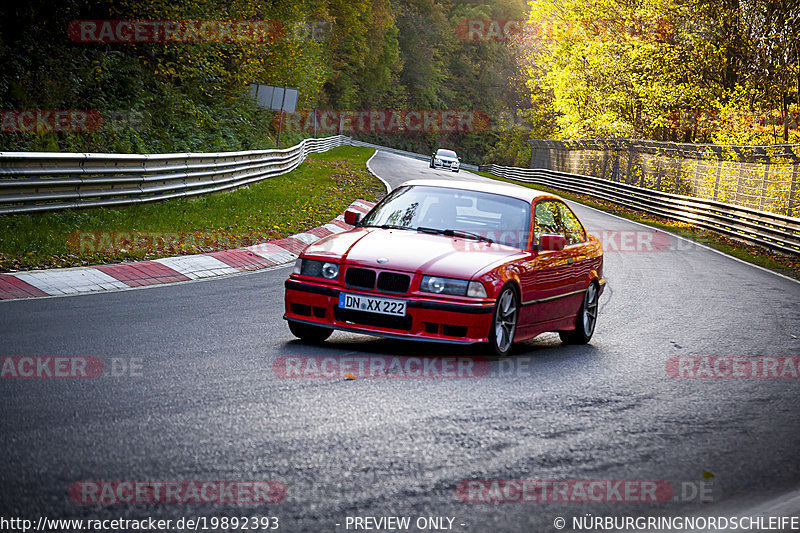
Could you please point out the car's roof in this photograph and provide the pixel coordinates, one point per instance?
(496, 187)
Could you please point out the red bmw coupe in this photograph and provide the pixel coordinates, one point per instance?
(459, 262)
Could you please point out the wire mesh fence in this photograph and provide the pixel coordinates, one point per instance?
(758, 177)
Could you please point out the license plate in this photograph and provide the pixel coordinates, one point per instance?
(371, 304)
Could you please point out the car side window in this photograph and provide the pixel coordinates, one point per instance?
(555, 218)
(573, 229)
(547, 219)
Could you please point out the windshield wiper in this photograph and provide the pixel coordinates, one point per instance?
(455, 233)
(433, 231)
(386, 226)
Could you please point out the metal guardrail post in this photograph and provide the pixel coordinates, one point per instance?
(716, 181)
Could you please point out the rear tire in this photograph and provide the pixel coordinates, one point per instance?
(309, 333)
(585, 320)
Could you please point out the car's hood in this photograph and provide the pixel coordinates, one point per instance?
(445, 158)
(411, 251)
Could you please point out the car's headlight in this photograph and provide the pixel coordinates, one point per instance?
(330, 270)
(317, 269)
(454, 287)
(437, 160)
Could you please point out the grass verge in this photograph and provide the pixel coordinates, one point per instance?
(311, 195)
(783, 264)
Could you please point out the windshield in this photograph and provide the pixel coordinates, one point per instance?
(496, 217)
(446, 153)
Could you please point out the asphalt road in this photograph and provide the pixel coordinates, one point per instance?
(204, 402)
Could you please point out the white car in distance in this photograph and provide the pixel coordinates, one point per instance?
(445, 159)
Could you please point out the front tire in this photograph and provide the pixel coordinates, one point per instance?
(309, 333)
(504, 322)
(586, 319)
(456, 171)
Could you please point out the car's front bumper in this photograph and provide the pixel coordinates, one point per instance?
(450, 165)
(429, 319)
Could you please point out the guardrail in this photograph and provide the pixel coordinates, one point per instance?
(772, 230)
(48, 181)
(414, 155)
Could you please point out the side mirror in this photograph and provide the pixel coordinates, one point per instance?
(354, 217)
(552, 243)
